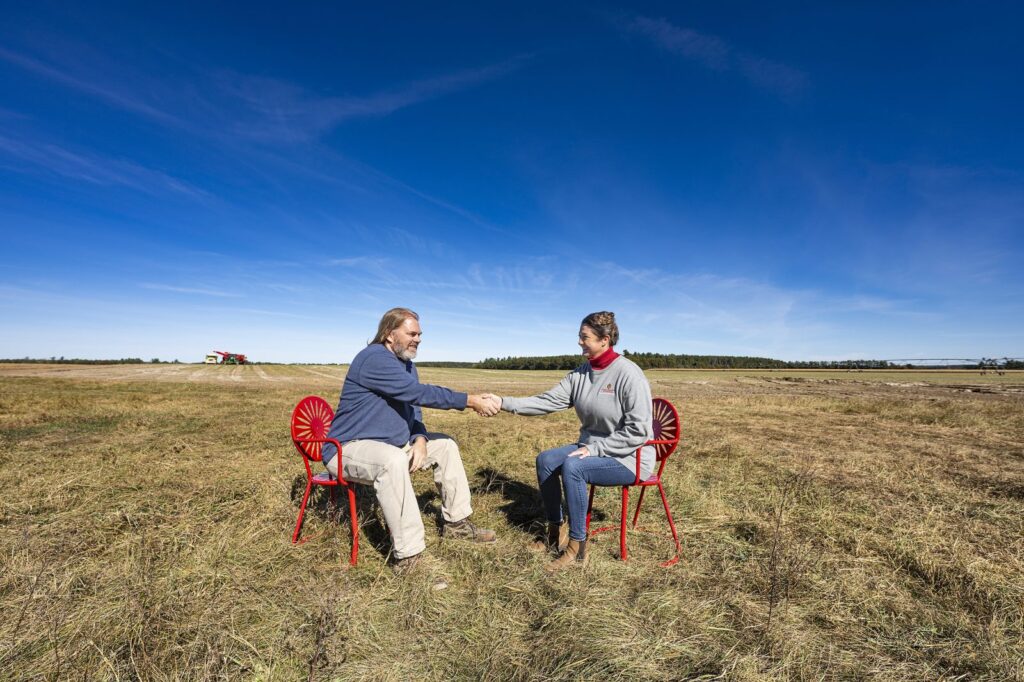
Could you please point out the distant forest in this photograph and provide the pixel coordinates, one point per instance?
(644, 360)
(79, 361)
(674, 361)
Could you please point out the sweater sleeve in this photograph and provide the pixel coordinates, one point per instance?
(559, 397)
(388, 378)
(635, 428)
(418, 428)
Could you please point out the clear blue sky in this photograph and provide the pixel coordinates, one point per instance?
(793, 180)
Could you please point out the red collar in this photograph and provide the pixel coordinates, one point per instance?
(604, 359)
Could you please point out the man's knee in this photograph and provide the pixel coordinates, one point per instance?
(395, 461)
(447, 449)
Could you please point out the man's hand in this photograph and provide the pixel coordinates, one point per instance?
(418, 454)
(485, 405)
(581, 452)
(494, 399)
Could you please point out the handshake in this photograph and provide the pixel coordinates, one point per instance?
(485, 405)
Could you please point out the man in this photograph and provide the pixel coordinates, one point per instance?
(380, 427)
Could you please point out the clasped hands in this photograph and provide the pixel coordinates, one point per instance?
(488, 405)
(485, 405)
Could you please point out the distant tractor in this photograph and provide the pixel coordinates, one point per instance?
(230, 358)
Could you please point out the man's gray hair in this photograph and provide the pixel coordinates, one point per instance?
(392, 320)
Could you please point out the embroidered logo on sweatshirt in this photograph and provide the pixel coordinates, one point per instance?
(607, 390)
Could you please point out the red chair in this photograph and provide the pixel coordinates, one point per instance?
(311, 421)
(666, 438)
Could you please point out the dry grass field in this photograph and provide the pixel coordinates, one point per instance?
(845, 525)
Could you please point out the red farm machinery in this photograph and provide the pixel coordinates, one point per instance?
(226, 358)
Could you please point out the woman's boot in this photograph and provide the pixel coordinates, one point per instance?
(557, 537)
(575, 554)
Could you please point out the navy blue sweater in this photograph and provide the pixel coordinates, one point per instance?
(381, 398)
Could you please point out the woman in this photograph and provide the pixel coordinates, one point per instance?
(613, 401)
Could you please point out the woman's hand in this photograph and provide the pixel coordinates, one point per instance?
(486, 405)
(496, 399)
(581, 452)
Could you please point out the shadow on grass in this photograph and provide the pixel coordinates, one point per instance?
(524, 508)
(372, 530)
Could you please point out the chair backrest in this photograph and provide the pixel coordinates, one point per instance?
(666, 427)
(311, 420)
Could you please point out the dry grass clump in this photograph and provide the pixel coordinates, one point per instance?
(839, 530)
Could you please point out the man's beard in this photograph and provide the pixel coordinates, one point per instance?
(405, 353)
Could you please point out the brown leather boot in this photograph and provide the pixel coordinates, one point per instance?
(466, 530)
(421, 565)
(557, 538)
(575, 554)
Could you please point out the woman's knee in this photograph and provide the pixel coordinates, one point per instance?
(548, 461)
(572, 468)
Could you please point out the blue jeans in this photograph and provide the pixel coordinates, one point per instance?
(576, 473)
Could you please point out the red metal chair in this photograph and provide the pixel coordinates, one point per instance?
(666, 438)
(311, 421)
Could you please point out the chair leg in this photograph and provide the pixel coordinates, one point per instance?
(590, 506)
(636, 514)
(302, 512)
(672, 525)
(622, 523)
(355, 526)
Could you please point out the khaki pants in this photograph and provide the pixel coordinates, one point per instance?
(386, 468)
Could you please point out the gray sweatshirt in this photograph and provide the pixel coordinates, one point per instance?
(614, 407)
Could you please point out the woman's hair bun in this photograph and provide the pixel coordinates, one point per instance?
(603, 323)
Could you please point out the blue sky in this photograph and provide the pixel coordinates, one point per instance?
(793, 180)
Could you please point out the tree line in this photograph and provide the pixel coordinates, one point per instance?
(680, 361)
(78, 361)
(644, 360)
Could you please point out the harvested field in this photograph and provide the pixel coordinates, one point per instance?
(836, 525)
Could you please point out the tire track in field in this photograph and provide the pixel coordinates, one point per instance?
(174, 373)
(334, 377)
(263, 375)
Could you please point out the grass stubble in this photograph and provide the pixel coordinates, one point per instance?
(834, 526)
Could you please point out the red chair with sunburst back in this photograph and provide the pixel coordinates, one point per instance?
(666, 438)
(311, 422)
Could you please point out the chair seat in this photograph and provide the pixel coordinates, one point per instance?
(324, 478)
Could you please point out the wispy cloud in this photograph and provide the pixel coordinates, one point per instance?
(946, 232)
(233, 110)
(92, 168)
(192, 290)
(249, 106)
(110, 93)
(359, 262)
(716, 54)
(279, 111)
